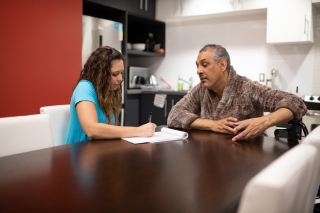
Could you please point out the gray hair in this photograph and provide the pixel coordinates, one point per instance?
(218, 53)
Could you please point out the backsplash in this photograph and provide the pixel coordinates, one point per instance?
(316, 71)
(245, 39)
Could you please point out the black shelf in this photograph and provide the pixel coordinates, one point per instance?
(136, 53)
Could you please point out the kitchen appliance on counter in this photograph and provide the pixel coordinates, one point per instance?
(151, 80)
(98, 32)
(138, 76)
(312, 118)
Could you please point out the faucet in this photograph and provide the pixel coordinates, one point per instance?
(188, 82)
(270, 82)
(273, 75)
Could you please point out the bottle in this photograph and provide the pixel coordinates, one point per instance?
(147, 46)
(180, 83)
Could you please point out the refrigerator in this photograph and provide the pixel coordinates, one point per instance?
(97, 32)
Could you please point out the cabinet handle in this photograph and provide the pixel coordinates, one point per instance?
(165, 109)
(172, 103)
(141, 4)
(146, 8)
(305, 20)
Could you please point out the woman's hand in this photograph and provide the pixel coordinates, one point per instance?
(145, 130)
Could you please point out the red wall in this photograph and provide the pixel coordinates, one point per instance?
(40, 54)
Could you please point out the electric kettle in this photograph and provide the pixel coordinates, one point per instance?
(151, 80)
(136, 81)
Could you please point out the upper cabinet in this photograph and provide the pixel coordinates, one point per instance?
(289, 21)
(193, 7)
(119, 4)
(141, 7)
(250, 4)
(145, 8)
(166, 9)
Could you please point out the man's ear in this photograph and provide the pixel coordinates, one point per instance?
(223, 64)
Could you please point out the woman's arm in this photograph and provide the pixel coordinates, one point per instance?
(89, 122)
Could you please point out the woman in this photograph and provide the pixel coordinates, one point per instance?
(96, 101)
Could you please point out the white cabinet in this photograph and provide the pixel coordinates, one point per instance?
(193, 7)
(289, 21)
(250, 4)
(220, 6)
(167, 9)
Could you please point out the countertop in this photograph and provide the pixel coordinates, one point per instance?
(166, 91)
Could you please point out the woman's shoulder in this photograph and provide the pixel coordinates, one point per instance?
(85, 87)
(84, 83)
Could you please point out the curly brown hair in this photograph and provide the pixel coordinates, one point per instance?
(97, 70)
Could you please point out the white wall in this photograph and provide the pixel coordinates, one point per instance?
(244, 37)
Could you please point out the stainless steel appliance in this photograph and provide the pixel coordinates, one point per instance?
(312, 118)
(138, 76)
(98, 32)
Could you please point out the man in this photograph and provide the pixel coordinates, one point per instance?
(228, 103)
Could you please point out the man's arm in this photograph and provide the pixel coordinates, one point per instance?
(186, 110)
(256, 126)
(223, 126)
(283, 105)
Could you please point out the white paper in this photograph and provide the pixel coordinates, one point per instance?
(166, 134)
(159, 100)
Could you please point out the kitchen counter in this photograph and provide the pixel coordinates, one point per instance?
(168, 92)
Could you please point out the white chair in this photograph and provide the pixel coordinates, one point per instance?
(59, 118)
(281, 187)
(313, 139)
(24, 134)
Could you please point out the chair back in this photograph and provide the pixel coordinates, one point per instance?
(313, 139)
(59, 118)
(281, 187)
(24, 134)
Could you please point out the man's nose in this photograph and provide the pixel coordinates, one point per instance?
(199, 70)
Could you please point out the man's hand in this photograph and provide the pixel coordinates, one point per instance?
(251, 128)
(224, 125)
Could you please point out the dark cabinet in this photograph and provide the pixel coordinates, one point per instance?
(159, 115)
(142, 7)
(131, 115)
(118, 4)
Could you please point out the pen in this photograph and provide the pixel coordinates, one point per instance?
(150, 117)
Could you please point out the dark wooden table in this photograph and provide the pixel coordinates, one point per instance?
(205, 173)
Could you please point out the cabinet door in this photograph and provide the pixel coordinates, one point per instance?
(172, 100)
(119, 4)
(289, 21)
(168, 9)
(132, 109)
(251, 4)
(142, 7)
(220, 6)
(193, 7)
(158, 114)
